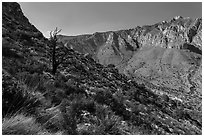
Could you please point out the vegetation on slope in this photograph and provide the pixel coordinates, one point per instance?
(83, 97)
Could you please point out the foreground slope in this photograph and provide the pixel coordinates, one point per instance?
(84, 97)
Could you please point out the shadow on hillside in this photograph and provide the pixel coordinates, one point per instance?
(192, 48)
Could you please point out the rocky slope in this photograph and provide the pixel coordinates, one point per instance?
(83, 97)
(164, 56)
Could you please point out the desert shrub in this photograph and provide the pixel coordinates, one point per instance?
(37, 68)
(13, 65)
(33, 66)
(58, 96)
(8, 49)
(106, 121)
(32, 81)
(76, 104)
(69, 115)
(110, 124)
(8, 52)
(51, 119)
(58, 119)
(103, 97)
(16, 97)
(80, 102)
(61, 77)
(46, 86)
(118, 106)
(61, 118)
(21, 125)
(65, 116)
(116, 103)
(60, 81)
(73, 89)
(26, 35)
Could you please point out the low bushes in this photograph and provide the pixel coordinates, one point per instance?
(22, 125)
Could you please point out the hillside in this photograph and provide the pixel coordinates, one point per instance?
(83, 97)
(178, 33)
(165, 56)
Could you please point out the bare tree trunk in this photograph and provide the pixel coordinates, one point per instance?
(54, 63)
(53, 42)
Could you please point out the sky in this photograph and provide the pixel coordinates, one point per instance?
(89, 17)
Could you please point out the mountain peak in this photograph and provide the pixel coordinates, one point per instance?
(178, 17)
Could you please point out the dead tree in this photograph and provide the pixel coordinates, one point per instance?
(57, 51)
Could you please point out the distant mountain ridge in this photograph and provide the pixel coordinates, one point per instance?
(166, 55)
(179, 33)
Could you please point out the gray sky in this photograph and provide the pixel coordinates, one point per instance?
(85, 18)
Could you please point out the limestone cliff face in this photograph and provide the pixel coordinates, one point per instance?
(115, 47)
(171, 34)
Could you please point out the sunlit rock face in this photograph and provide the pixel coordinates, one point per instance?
(174, 33)
(162, 54)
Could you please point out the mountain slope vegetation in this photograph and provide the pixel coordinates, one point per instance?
(83, 96)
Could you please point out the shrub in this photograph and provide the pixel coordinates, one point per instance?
(8, 49)
(16, 97)
(21, 125)
(29, 81)
(107, 122)
(51, 119)
(103, 96)
(70, 120)
(65, 116)
(80, 102)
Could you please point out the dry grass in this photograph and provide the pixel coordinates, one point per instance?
(21, 125)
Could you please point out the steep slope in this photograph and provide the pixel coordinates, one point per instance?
(21, 41)
(166, 55)
(106, 48)
(83, 97)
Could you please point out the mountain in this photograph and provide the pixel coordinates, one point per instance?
(113, 47)
(165, 56)
(83, 97)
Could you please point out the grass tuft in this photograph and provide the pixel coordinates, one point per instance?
(21, 125)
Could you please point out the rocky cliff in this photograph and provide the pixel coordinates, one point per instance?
(165, 56)
(83, 97)
(178, 33)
